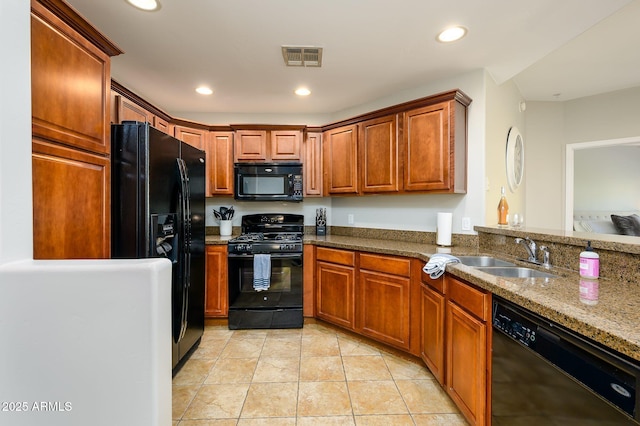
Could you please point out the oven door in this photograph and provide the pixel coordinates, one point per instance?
(285, 284)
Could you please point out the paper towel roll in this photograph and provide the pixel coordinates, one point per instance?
(443, 229)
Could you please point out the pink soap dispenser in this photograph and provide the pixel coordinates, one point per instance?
(589, 263)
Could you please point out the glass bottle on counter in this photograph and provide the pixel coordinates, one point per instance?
(503, 209)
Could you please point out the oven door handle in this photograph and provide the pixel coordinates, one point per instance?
(273, 255)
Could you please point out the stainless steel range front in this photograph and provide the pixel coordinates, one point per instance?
(265, 272)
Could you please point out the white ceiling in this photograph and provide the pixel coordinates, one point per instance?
(372, 49)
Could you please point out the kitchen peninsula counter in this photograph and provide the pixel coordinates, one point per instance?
(611, 319)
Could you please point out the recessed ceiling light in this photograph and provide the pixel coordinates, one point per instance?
(204, 90)
(452, 34)
(303, 91)
(148, 5)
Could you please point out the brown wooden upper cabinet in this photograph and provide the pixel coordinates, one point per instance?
(312, 159)
(340, 161)
(259, 145)
(219, 151)
(378, 146)
(435, 145)
(69, 83)
(195, 137)
(130, 111)
(162, 125)
(419, 146)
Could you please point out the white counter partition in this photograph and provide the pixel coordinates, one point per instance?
(85, 342)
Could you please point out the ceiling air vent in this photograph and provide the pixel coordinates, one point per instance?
(295, 56)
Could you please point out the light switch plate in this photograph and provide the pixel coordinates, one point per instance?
(466, 224)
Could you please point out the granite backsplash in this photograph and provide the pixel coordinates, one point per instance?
(619, 256)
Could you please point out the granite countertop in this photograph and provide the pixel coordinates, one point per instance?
(612, 319)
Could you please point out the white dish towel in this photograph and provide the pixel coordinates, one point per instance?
(261, 272)
(436, 264)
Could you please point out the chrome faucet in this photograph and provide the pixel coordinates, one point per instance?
(530, 246)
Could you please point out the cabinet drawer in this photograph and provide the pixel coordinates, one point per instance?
(390, 265)
(437, 284)
(471, 299)
(341, 257)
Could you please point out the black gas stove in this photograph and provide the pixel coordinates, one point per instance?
(269, 233)
(265, 272)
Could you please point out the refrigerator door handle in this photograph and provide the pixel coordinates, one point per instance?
(186, 239)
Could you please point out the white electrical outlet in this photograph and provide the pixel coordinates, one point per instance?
(350, 219)
(466, 224)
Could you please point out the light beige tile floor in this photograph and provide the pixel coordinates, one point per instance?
(316, 375)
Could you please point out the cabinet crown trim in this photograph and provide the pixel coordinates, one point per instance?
(76, 21)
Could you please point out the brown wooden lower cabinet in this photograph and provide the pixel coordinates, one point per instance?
(216, 291)
(432, 311)
(335, 285)
(71, 203)
(455, 342)
(466, 362)
(468, 349)
(383, 299)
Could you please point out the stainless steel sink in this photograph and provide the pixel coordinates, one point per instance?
(515, 272)
(483, 261)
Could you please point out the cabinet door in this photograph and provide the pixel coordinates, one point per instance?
(466, 357)
(379, 168)
(220, 164)
(340, 161)
(383, 307)
(335, 298)
(161, 124)
(216, 291)
(285, 145)
(428, 153)
(432, 307)
(309, 281)
(70, 83)
(130, 111)
(70, 222)
(313, 165)
(197, 138)
(250, 145)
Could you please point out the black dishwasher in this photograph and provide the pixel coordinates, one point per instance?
(545, 374)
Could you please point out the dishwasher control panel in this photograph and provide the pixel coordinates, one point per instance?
(514, 325)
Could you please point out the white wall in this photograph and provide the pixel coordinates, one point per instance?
(503, 112)
(16, 227)
(550, 126)
(607, 178)
(307, 208)
(544, 162)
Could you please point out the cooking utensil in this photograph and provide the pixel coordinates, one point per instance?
(225, 213)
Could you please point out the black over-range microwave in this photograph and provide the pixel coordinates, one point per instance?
(268, 181)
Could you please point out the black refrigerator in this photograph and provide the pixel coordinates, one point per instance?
(158, 210)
